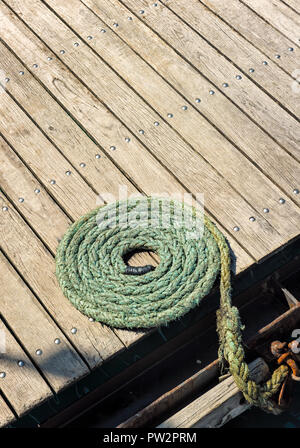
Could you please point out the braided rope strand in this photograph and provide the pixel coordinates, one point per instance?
(92, 274)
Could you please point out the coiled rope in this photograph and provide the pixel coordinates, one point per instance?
(91, 271)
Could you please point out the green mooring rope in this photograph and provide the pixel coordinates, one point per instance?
(92, 274)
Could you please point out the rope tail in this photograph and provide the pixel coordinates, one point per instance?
(230, 336)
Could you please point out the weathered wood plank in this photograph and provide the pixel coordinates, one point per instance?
(278, 15)
(259, 32)
(17, 185)
(217, 406)
(156, 137)
(215, 67)
(238, 50)
(59, 363)
(294, 4)
(275, 162)
(101, 173)
(94, 341)
(27, 44)
(6, 415)
(14, 185)
(23, 387)
(40, 210)
(154, 90)
(17, 181)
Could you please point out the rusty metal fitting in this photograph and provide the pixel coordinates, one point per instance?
(287, 354)
(278, 348)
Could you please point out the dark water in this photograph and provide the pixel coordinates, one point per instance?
(255, 418)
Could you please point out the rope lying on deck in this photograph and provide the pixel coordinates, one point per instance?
(94, 277)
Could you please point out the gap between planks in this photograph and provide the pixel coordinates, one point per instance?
(148, 142)
(159, 177)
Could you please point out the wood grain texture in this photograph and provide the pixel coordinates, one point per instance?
(240, 52)
(141, 162)
(24, 387)
(157, 138)
(217, 406)
(33, 261)
(244, 93)
(59, 363)
(37, 212)
(294, 4)
(65, 103)
(260, 33)
(252, 141)
(280, 16)
(6, 415)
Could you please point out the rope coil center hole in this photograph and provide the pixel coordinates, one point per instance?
(140, 261)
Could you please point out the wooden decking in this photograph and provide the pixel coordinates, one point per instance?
(215, 91)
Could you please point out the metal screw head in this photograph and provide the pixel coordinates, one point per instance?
(37, 191)
(236, 228)
(21, 73)
(21, 363)
(184, 108)
(127, 139)
(115, 24)
(129, 18)
(155, 4)
(82, 164)
(62, 51)
(49, 58)
(35, 66)
(265, 63)
(252, 219)
(141, 131)
(266, 210)
(4, 208)
(291, 49)
(198, 100)
(90, 37)
(141, 11)
(57, 341)
(170, 115)
(225, 84)
(39, 352)
(211, 92)
(281, 201)
(112, 148)
(68, 173)
(251, 70)
(2, 374)
(238, 77)
(156, 123)
(277, 56)
(76, 44)
(52, 182)
(296, 191)
(97, 156)
(102, 31)
(7, 80)
(74, 330)
(21, 199)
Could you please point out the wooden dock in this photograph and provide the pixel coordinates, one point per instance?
(172, 97)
